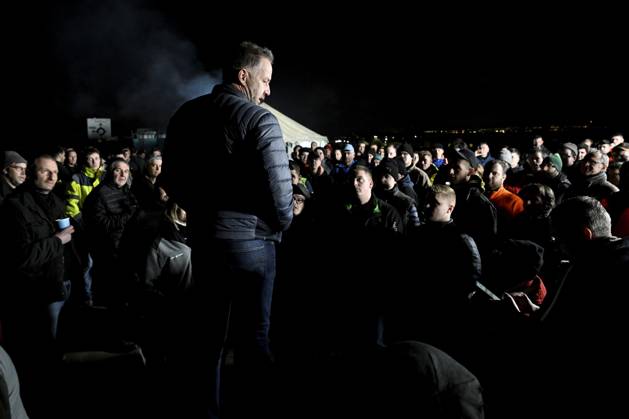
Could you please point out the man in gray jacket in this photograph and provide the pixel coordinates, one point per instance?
(250, 203)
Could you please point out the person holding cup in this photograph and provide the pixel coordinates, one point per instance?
(33, 289)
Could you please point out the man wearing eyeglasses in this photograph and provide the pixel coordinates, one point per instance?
(593, 180)
(13, 173)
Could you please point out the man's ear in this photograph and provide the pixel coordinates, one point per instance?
(242, 76)
(587, 233)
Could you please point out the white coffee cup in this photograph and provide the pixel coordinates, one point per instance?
(63, 223)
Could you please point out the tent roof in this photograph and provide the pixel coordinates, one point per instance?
(295, 133)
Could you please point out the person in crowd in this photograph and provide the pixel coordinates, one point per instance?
(137, 163)
(35, 254)
(147, 190)
(515, 268)
(11, 406)
(508, 204)
(83, 183)
(605, 146)
(164, 274)
(439, 157)
(325, 153)
(318, 178)
(415, 173)
(388, 191)
(295, 316)
(369, 159)
(589, 143)
(337, 156)
(304, 152)
(13, 173)
(534, 224)
(593, 179)
(621, 153)
(538, 144)
(34, 286)
(588, 324)
(343, 170)
(70, 167)
(404, 182)
(107, 210)
(234, 235)
(553, 176)
(362, 150)
(365, 210)
(425, 163)
(569, 153)
(617, 139)
(59, 154)
(482, 153)
(425, 307)
(613, 173)
(514, 179)
(294, 155)
(505, 155)
(584, 148)
(516, 164)
(474, 213)
(619, 204)
(296, 177)
(413, 379)
(126, 154)
(377, 159)
(368, 220)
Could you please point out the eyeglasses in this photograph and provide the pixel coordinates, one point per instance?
(299, 200)
(18, 168)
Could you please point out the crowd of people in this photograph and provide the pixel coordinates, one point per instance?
(334, 281)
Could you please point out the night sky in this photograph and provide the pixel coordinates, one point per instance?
(136, 61)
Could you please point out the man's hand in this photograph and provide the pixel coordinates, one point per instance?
(521, 302)
(163, 196)
(65, 235)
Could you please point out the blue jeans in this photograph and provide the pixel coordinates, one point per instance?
(249, 281)
(238, 277)
(53, 310)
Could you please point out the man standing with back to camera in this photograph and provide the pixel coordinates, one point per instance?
(236, 219)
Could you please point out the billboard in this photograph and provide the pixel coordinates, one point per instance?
(99, 128)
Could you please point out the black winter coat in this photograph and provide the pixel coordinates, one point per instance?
(33, 263)
(106, 212)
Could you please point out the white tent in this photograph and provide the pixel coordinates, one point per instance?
(295, 133)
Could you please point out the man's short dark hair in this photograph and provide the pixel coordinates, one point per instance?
(497, 162)
(247, 55)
